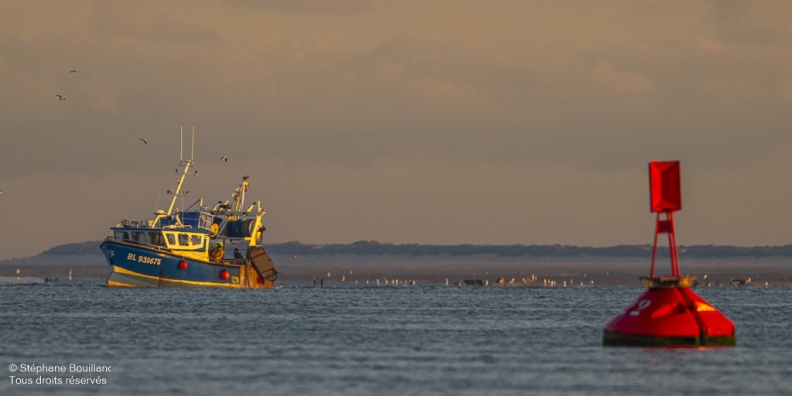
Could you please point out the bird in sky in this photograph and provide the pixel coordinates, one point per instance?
(60, 97)
(72, 71)
(224, 158)
(144, 140)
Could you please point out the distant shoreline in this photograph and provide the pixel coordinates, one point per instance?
(413, 250)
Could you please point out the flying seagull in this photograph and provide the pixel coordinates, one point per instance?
(144, 140)
(60, 97)
(224, 158)
(72, 71)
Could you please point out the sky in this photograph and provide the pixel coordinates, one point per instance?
(431, 122)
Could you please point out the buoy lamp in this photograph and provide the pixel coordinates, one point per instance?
(668, 313)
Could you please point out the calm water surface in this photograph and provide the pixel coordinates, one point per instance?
(378, 340)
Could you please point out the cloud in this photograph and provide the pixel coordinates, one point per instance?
(333, 8)
(149, 25)
(620, 82)
(728, 11)
(709, 44)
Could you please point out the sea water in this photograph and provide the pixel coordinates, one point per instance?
(383, 340)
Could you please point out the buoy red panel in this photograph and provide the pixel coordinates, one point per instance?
(712, 322)
(223, 274)
(182, 265)
(670, 317)
(664, 186)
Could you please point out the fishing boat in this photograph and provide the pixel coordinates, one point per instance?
(188, 248)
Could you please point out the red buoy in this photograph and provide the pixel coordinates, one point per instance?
(669, 313)
(182, 265)
(224, 275)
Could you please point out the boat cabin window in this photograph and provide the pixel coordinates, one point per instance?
(156, 239)
(122, 235)
(139, 236)
(183, 240)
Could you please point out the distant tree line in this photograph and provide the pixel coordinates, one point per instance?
(74, 249)
(378, 248)
(411, 249)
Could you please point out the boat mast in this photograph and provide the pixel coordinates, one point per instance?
(240, 202)
(182, 162)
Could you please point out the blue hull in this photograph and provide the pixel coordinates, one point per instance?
(138, 266)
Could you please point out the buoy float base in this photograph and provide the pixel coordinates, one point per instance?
(616, 338)
(670, 314)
